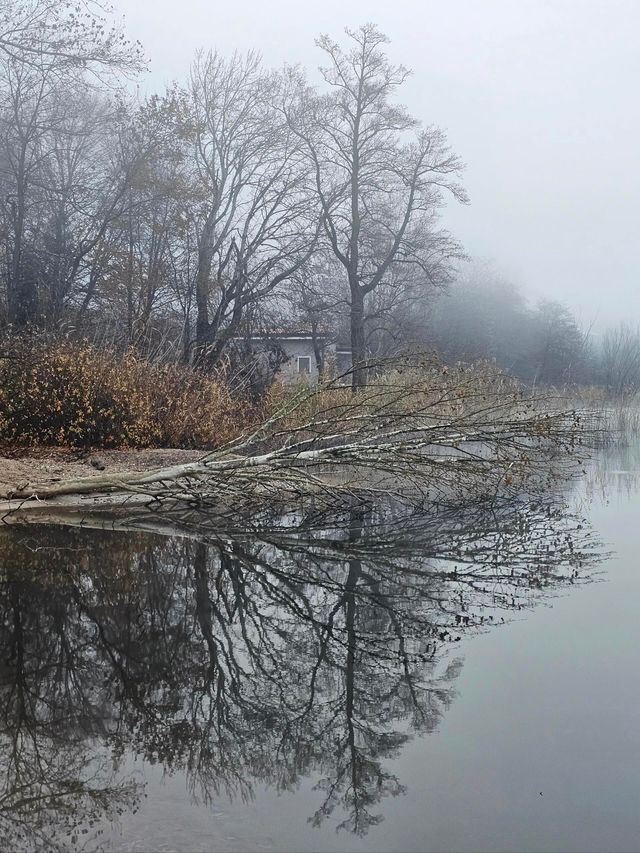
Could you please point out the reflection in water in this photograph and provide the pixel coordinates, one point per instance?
(314, 646)
(615, 473)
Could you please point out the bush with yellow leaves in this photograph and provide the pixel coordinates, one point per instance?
(66, 393)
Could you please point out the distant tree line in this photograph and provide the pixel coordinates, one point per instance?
(243, 199)
(483, 316)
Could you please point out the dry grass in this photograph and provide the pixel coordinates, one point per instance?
(619, 416)
(427, 393)
(68, 394)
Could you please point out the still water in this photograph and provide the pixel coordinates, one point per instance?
(459, 678)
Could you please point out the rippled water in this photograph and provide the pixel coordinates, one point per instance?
(460, 678)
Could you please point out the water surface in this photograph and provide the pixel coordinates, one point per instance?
(458, 678)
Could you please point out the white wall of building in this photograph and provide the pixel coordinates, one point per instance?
(293, 369)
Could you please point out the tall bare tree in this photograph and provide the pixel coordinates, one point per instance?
(255, 221)
(379, 177)
(63, 188)
(135, 260)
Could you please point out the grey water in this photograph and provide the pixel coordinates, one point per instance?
(454, 678)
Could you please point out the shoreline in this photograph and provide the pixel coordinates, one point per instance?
(25, 468)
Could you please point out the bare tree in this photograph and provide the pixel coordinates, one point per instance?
(21, 121)
(254, 219)
(59, 36)
(137, 280)
(59, 192)
(64, 188)
(380, 179)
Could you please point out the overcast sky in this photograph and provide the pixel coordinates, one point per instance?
(539, 97)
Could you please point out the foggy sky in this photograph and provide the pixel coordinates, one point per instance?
(539, 98)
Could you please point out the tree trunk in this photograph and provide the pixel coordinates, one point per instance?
(22, 292)
(203, 278)
(318, 350)
(23, 296)
(358, 350)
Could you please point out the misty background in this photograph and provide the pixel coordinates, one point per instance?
(539, 99)
(195, 184)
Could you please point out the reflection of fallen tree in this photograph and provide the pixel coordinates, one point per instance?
(313, 645)
(414, 431)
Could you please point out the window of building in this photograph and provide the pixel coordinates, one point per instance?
(304, 364)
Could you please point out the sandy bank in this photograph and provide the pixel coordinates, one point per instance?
(45, 466)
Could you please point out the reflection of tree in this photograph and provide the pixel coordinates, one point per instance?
(316, 647)
(56, 782)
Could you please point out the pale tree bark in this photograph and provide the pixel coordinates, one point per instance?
(414, 433)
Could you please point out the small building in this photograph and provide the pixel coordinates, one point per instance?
(303, 356)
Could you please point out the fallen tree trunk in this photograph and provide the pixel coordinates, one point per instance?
(406, 434)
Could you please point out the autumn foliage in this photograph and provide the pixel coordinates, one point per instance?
(65, 393)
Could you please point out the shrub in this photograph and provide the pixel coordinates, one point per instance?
(65, 393)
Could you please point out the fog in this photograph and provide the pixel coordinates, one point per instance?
(538, 97)
(315, 371)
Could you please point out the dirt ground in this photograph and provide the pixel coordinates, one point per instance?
(50, 465)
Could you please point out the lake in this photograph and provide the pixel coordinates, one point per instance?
(455, 677)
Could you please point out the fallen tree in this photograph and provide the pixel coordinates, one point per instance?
(415, 432)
